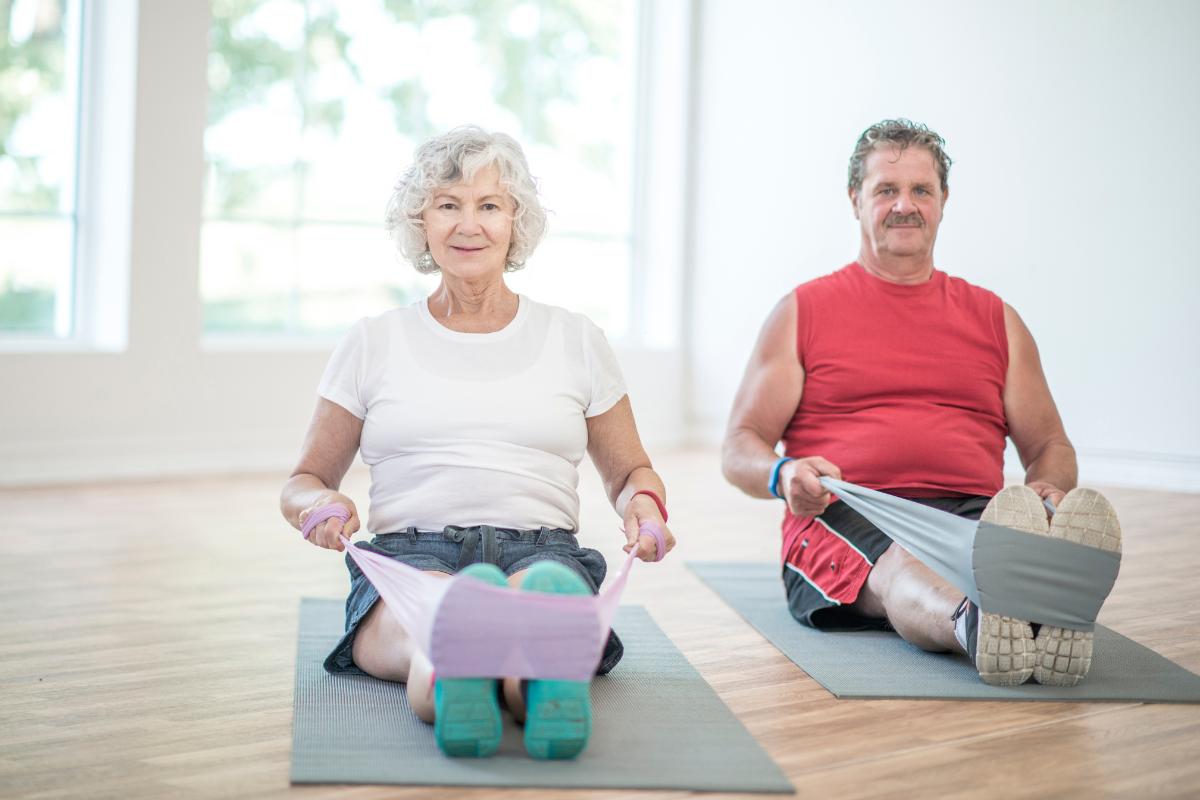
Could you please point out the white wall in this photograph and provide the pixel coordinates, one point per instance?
(1071, 126)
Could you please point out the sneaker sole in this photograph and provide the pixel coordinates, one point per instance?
(558, 715)
(1085, 517)
(1006, 651)
(468, 717)
(559, 719)
(467, 724)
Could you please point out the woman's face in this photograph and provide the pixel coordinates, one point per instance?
(469, 226)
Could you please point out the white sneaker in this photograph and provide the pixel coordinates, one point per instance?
(1085, 517)
(1003, 648)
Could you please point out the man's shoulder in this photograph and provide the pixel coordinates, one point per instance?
(830, 282)
(963, 287)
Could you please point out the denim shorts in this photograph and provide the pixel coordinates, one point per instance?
(455, 548)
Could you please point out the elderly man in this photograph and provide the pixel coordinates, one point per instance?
(898, 377)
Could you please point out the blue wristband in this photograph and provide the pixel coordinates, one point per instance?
(775, 475)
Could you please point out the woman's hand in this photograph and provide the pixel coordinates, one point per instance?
(327, 534)
(643, 509)
(800, 485)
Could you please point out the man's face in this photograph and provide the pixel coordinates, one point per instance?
(900, 203)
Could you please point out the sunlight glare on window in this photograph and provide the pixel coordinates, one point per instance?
(39, 105)
(315, 109)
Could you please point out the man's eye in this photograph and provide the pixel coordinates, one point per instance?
(920, 191)
(886, 191)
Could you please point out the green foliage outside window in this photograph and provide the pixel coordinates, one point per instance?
(29, 70)
(33, 65)
(530, 73)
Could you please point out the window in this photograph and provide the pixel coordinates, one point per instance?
(314, 110)
(39, 123)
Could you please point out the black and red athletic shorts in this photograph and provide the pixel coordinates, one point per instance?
(829, 564)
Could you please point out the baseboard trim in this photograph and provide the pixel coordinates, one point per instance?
(1166, 473)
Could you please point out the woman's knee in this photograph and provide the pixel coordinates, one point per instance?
(381, 647)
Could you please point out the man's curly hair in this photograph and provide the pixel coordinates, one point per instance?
(899, 133)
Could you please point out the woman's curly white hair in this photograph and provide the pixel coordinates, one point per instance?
(457, 157)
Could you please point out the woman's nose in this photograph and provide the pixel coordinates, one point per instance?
(469, 221)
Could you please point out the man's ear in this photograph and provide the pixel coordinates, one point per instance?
(945, 196)
(854, 200)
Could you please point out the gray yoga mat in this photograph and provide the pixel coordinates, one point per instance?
(657, 725)
(874, 665)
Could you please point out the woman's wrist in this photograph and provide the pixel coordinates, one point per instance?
(654, 498)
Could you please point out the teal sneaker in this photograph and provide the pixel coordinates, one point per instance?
(468, 717)
(558, 715)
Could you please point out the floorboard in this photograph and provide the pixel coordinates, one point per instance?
(149, 647)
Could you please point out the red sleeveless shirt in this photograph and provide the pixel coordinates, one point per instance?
(903, 388)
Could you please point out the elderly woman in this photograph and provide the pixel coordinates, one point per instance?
(473, 409)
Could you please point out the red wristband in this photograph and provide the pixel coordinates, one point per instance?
(661, 508)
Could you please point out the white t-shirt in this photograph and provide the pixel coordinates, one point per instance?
(474, 428)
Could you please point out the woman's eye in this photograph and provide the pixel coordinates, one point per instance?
(490, 207)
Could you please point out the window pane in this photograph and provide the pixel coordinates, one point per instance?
(315, 109)
(35, 275)
(316, 278)
(39, 70)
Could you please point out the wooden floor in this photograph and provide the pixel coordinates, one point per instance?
(148, 641)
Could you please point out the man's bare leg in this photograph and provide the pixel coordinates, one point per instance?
(917, 602)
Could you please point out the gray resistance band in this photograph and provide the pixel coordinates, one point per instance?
(1002, 570)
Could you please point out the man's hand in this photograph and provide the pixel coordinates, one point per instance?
(1048, 491)
(327, 533)
(800, 484)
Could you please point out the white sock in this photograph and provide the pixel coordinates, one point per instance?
(960, 628)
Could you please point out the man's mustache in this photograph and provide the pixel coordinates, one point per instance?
(906, 219)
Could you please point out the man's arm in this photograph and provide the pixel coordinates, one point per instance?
(1033, 421)
(765, 404)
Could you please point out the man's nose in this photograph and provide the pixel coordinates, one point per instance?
(904, 203)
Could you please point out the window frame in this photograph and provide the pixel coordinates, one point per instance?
(106, 78)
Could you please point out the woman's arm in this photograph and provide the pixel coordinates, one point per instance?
(616, 450)
(329, 448)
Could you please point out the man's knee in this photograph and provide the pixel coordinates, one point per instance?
(899, 578)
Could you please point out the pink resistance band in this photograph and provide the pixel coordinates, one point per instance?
(654, 530)
(471, 629)
(323, 513)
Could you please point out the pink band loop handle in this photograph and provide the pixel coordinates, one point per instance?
(654, 530)
(323, 513)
